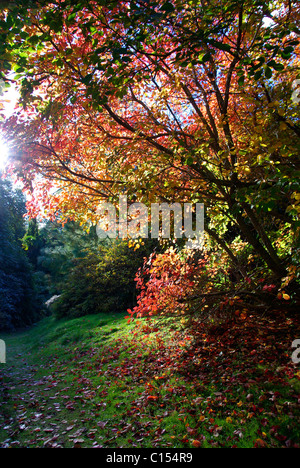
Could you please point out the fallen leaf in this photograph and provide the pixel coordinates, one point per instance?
(196, 443)
(259, 443)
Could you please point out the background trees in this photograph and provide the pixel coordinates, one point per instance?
(18, 300)
(89, 275)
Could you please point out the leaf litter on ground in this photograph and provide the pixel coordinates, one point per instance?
(150, 385)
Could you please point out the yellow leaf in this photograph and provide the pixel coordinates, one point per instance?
(286, 297)
(282, 126)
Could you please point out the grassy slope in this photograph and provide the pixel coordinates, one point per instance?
(98, 381)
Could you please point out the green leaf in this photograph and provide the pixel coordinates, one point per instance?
(286, 56)
(276, 66)
(34, 40)
(167, 7)
(220, 45)
(261, 61)
(288, 50)
(184, 64)
(258, 75)
(241, 81)
(206, 57)
(268, 73)
(189, 161)
(88, 78)
(71, 17)
(56, 26)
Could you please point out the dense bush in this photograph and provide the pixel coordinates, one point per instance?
(206, 283)
(102, 280)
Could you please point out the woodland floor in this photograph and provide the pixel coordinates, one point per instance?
(98, 381)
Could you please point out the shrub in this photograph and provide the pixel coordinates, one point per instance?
(168, 281)
(101, 281)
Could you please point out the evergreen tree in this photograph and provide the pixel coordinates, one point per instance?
(17, 294)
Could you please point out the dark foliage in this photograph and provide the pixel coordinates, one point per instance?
(101, 280)
(18, 304)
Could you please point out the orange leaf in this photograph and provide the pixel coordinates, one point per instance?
(196, 443)
(259, 443)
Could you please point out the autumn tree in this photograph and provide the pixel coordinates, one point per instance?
(164, 101)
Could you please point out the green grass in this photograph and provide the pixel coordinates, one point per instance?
(99, 381)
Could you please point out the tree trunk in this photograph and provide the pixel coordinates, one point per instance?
(275, 265)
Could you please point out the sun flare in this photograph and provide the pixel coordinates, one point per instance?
(4, 152)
